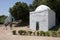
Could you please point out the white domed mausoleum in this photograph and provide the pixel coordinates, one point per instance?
(42, 19)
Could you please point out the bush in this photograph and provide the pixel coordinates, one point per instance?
(22, 32)
(58, 33)
(14, 32)
(2, 19)
(42, 33)
(30, 32)
(38, 33)
(47, 33)
(54, 34)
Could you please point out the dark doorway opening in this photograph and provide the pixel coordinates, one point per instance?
(37, 25)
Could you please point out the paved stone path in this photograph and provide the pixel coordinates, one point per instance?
(7, 35)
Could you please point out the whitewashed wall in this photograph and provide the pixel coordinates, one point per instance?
(46, 20)
(42, 18)
(51, 18)
(45, 16)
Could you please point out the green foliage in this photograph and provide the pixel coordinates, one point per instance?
(58, 33)
(14, 32)
(30, 32)
(2, 18)
(51, 3)
(20, 11)
(38, 33)
(42, 33)
(47, 33)
(54, 34)
(22, 32)
(31, 8)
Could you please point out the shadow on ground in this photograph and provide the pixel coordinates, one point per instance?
(22, 24)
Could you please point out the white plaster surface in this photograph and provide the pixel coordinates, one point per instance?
(45, 17)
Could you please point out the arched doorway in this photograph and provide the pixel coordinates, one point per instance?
(37, 25)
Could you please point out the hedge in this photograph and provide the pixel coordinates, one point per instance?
(38, 33)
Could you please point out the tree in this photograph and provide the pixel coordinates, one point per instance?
(2, 18)
(20, 11)
(37, 3)
(31, 8)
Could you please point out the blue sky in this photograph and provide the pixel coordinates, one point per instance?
(6, 4)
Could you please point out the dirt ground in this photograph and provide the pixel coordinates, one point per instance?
(7, 35)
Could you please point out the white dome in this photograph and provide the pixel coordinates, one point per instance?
(42, 7)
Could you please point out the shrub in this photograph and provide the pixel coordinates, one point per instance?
(47, 33)
(38, 33)
(42, 33)
(54, 34)
(30, 32)
(22, 32)
(58, 33)
(14, 32)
